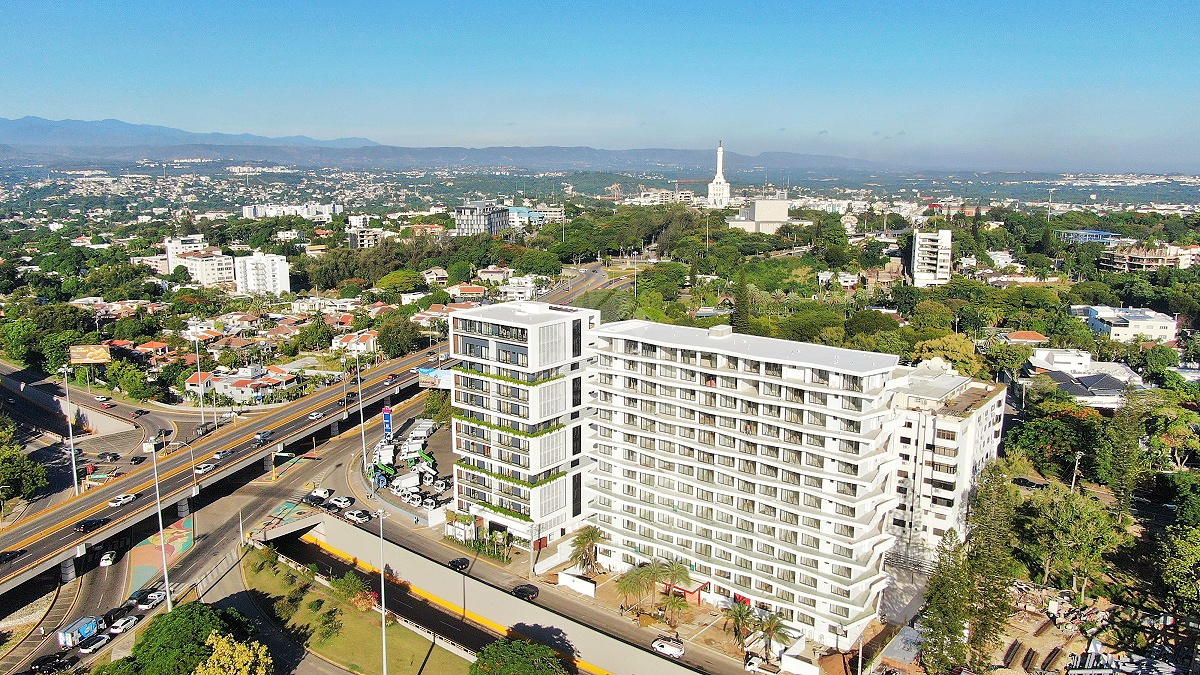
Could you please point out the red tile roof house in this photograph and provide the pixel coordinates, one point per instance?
(1025, 337)
(246, 385)
(361, 342)
(466, 291)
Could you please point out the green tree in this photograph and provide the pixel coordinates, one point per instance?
(397, 335)
(233, 657)
(1007, 358)
(632, 584)
(583, 548)
(869, 322)
(1159, 358)
(459, 272)
(517, 657)
(741, 304)
(955, 349)
(739, 620)
(947, 609)
(674, 605)
(990, 562)
(401, 281)
(931, 314)
(177, 643)
(541, 263)
(1179, 568)
(772, 629)
(23, 476)
(1122, 462)
(1069, 534)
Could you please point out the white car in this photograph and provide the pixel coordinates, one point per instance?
(322, 493)
(122, 500)
(202, 469)
(668, 646)
(151, 601)
(342, 502)
(121, 625)
(108, 559)
(93, 643)
(358, 516)
(218, 456)
(316, 415)
(101, 399)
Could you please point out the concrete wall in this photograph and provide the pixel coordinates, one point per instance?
(495, 608)
(99, 423)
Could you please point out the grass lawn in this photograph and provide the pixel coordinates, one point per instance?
(356, 647)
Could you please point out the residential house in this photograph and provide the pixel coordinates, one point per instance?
(358, 342)
(466, 291)
(436, 276)
(495, 275)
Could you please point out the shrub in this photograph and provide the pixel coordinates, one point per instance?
(348, 585)
(258, 566)
(329, 625)
(285, 609)
(314, 605)
(289, 579)
(365, 600)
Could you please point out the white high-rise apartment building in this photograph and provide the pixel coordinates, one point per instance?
(950, 427)
(931, 258)
(177, 246)
(763, 464)
(520, 399)
(262, 274)
(718, 189)
(479, 218)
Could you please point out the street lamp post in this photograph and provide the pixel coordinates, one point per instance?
(200, 382)
(362, 426)
(71, 430)
(382, 590)
(162, 539)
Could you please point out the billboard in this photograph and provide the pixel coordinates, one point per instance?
(434, 378)
(387, 421)
(82, 355)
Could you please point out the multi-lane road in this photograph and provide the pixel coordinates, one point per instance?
(50, 537)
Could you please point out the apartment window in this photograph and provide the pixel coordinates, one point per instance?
(946, 435)
(844, 510)
(810, 541)
(843, 530)
(841, 571)
(840, 610)
(814, 481)
(817, 398)
(811, 523)
(813, 459)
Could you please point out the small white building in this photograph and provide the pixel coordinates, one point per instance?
(931, 254)
(1128, 324)
(359, 342)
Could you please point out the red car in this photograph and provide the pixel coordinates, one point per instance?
(106, 406)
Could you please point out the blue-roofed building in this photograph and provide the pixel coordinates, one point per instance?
(1085, 236)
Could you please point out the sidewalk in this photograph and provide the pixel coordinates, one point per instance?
(63, 603)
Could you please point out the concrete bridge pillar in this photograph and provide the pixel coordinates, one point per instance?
(334, 429)
(387, 401)
(66, 570)
(268, 462)
(182, 508)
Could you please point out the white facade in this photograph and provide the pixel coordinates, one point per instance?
(177, 246)
(1128, 324)
(718, 189)
(359, 220)
(207, 268)
(519, 392)
(949, 431)
(262, 274)
(479, 218)
(317, 212)
(931, 254)
(762, 215)
(763, 464)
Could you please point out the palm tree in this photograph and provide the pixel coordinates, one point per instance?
(673, 605)
(773, 629)
(739, 620)
(677, 574)
(656, 574)
(583, 548)
(632, 583)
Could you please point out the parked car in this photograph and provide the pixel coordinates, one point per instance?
(526, 592)
(313, 500)
(316, 415)
(108, 457)
(101, 398)
(459, 564)
(90, 524)
(152, 600)
(122, 625)
(358, 516)
(323, 493)
(342, 502)
(108, 558)
(202, 469)
(136, 459)
(137, 597)
(49, 663)
(93, 643)
(122, 500)
(668, 646)
(329, 507)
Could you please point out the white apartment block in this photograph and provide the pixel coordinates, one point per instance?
(157, 263)
(1128, 324)
(518, 428)
(479, 218)
(359, 220)
(950, 428)
(763, 464)
(208, 268)
(262, 274)
(1142, 259)
(177, 246)
(315, 212)
(931, 254)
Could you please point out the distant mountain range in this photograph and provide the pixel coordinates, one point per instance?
(75, 142)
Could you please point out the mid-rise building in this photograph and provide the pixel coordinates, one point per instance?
(1128, 324)
(718, 189)
(950, 428)
(314, 212)
(262, 274)
(931, 255)
(208, 267)
(359, 221)
(764, 465)
(367, 237)
(177, 246)
(762, 215)
(519, 426)
(479, 218)
(1143, 259)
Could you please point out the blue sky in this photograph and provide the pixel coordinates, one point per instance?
(1020, 85)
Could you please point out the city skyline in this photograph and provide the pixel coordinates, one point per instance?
(1022, 87)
